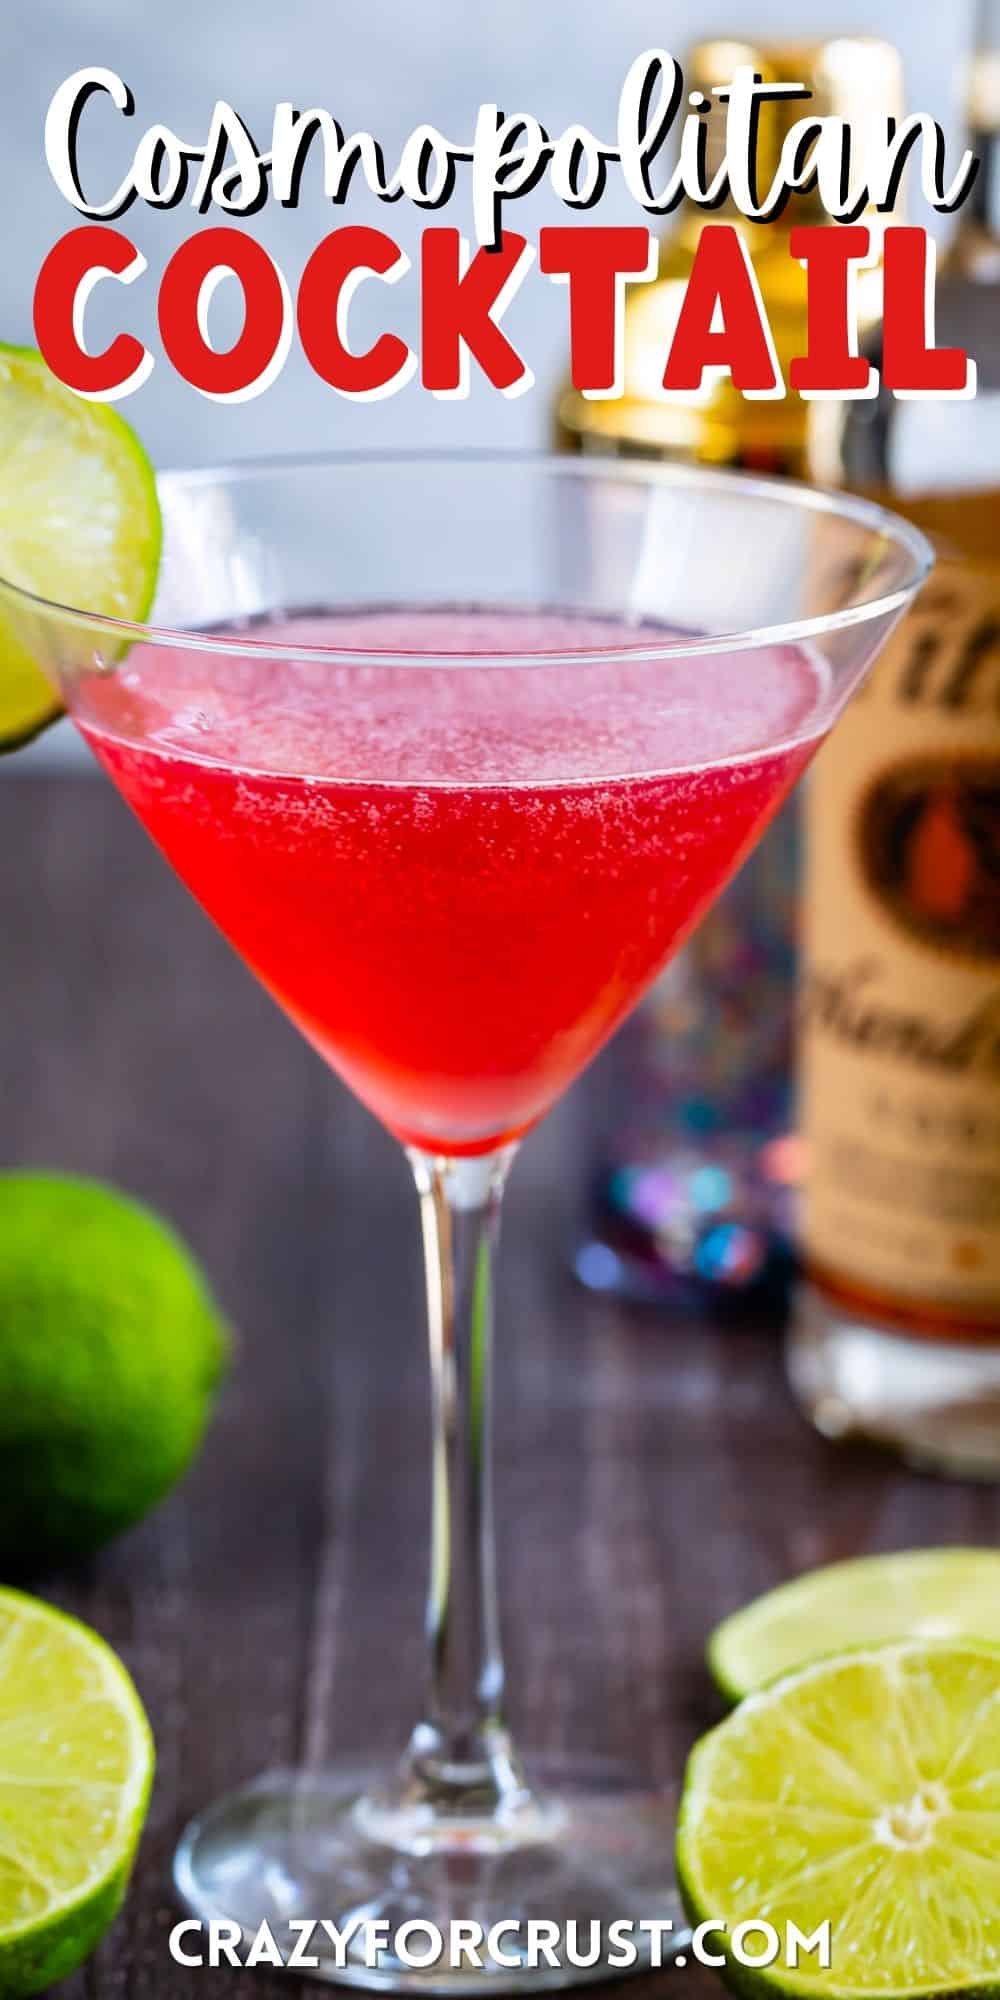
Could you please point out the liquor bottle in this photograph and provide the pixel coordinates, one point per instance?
(857, 77)
(693, 1192)
(897, 1332)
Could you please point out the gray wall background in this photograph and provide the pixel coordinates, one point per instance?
(385, 66)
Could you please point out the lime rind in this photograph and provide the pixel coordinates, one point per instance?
(37, 721)
(46, 1943)
(80, 527)
(941, 1593)
(863, 1788)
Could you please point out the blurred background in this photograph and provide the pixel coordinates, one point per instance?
(653, 1468)
(384, 67)
(696, 1182)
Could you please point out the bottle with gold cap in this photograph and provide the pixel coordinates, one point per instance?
(694, 1190)
(896, 1334)
(859, 77)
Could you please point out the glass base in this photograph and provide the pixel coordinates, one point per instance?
(586, 1849)
(936, 1402)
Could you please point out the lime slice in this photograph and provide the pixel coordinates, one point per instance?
(921, 1594)
(863, 1791)
(79, 521)
(76, 1762)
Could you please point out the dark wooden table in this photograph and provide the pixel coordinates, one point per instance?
(652, 1475)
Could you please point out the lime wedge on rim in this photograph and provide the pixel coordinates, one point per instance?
(76, 1763)
(863, 1791)
(918, 1594)
(79, 521)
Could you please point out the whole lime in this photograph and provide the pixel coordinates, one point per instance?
(111, 1349)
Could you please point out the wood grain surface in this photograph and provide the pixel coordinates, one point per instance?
(652, 1474)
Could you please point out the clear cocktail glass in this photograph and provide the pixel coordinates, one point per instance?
(456, 750)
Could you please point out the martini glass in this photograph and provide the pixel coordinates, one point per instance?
(456, 751)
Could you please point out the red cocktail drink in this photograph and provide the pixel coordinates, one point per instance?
(456, 882)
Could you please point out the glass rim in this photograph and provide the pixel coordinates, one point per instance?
(794, 494)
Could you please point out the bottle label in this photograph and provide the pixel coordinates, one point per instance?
(900, 1059)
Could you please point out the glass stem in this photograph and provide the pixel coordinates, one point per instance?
(460, 1760)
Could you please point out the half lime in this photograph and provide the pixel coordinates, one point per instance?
(862, 1792)
(79, 521)
(76, 1764)
(918, 1594)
